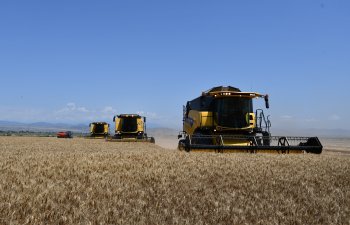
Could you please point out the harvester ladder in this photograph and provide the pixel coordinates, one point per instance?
(183, 113)
(262, 122)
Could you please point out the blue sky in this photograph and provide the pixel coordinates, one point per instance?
(81, 61)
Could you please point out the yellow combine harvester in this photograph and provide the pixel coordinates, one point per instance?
(222, 119)
(99, 130)
(130, 128)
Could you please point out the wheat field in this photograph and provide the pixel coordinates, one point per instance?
(80, 181)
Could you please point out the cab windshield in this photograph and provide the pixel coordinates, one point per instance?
(129, 124)
(232, 112)
(99, 128)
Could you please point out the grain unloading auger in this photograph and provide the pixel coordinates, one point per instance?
(130, 128)
(222, 119)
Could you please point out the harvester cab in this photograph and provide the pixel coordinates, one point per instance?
(223, 119)
(99, 130)
(130, 128)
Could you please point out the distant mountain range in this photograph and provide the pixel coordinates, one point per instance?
(42, 127)
(159, 131)
(77, 128)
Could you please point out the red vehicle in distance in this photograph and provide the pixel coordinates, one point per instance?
(64, 134)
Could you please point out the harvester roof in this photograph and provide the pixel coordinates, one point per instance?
(223, 89)
(230, 91)
(129, 115)
(104, 123)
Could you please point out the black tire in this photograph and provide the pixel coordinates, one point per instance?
(182, 145)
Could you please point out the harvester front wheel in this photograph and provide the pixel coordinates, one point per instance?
(182, 145)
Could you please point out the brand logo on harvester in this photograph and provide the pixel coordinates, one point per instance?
(190, 121)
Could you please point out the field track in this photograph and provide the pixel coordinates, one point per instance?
(80, 181)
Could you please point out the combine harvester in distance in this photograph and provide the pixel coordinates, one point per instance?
(130, 128)
(222, 119)
(98, 130)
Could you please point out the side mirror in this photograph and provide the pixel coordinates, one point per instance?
(179, 136)
(144, 119)
(267, 104)
(113, 118)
